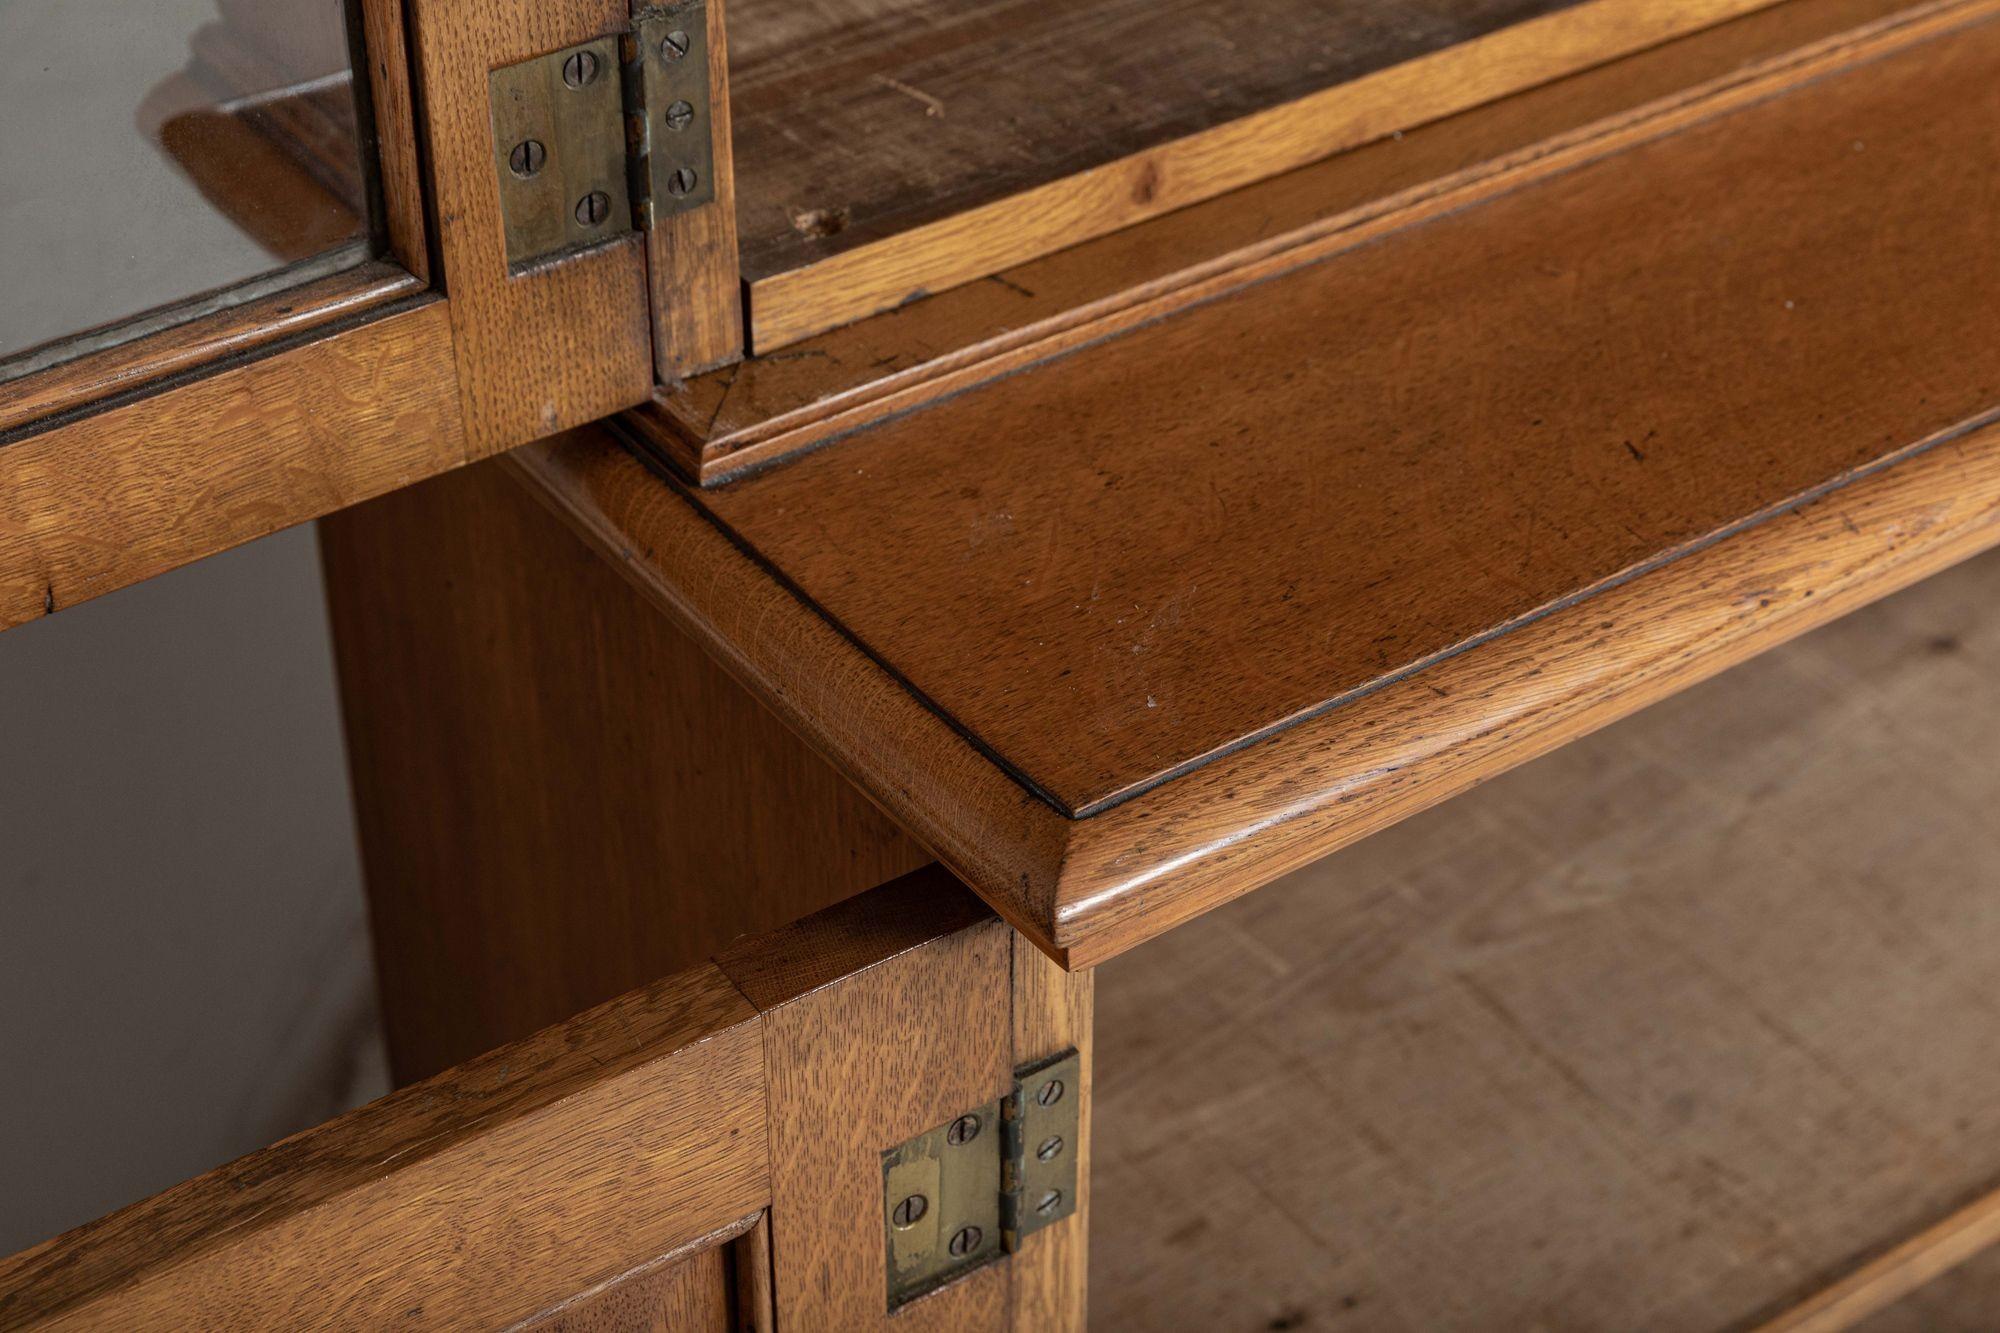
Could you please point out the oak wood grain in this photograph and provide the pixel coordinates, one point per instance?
(750, 414)
(557, 344)
(691, 257)
(1914, 493)
(392, 95)
(94, 503)
(498, 1190)
(1087, 890)
(1225, 521)
(891, 150)
(1053, 1012)
(687, 1295)
(752, 1262)
(559, 795)
(930, 778)
(187, 347)
(902, 1029)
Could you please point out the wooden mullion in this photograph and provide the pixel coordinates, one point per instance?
(697, 295)
(1052, 1012)
(556, 344)
(883, 1017)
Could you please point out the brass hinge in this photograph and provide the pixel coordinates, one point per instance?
(606, 137)
(969, 1191)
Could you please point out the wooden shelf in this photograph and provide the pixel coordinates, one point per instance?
(1243, 575)
(1668, 1030)
(892, 148)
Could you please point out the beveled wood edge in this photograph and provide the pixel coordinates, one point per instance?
(687, 1249)
(793, 304)
(1331, 780)
(1085, 890)
(97, 379)
(183, 469)
(1905, 1267)
(691, 257)
(848, 938)
(1006, 844)
(223, 1218)
(666, 426)
(391, 79)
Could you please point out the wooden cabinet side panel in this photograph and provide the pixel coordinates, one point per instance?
(559, 795)
(686, 1295)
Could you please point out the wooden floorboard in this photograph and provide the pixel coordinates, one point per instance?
(1965, 1300)
(1666, 1030)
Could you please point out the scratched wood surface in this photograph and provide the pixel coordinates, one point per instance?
(1667, 1030)
(768, 406)
(892, 148)
(857, 117)
(1153, 550)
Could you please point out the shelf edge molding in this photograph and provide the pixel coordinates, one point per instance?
(1086, 890)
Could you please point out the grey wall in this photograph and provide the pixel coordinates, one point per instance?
(184, 971)
(183, 962)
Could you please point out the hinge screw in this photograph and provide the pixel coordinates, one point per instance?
(675, 45)
(910, 1211)
(593, 208)
(1051, 1145)
(965, 1241)
(679, 116)
(963, 1130)
(1049, 1093)
(1049, 1202)
(527, 158)
(580, 70)
(681, 183)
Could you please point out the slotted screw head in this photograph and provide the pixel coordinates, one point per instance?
(675, 44)
(1051, 1145)
(580, 70)
(1049, 1202)
(965, 1241)
(963, 1130)
(527, 158)
(593, 208)
(681, 183)
(679, 116)
(910, 1211)
(1049, 1093)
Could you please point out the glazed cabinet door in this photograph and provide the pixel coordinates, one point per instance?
(265, 258)
(810, 1131)
(595, 1175)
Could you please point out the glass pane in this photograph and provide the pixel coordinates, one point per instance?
(163, 157)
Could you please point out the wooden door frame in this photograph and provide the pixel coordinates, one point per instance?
(585, 1164)
(143, 456)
